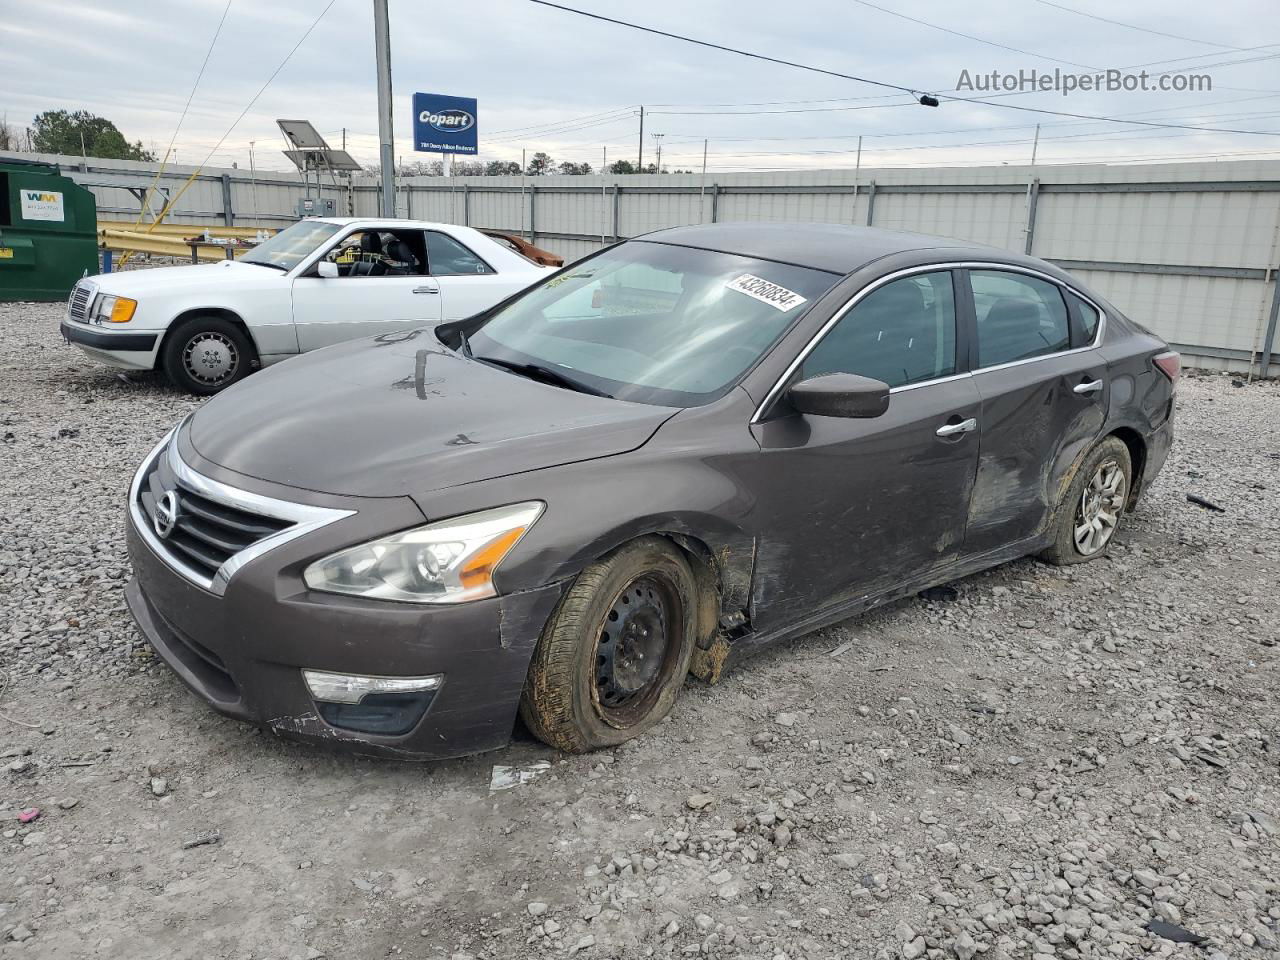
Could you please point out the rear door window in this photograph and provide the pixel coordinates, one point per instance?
(1018, 317)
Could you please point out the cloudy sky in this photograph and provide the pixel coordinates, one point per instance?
(553, 81)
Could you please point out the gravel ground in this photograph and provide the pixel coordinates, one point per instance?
(1040, 768)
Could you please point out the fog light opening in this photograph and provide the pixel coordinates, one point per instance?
(385, 706)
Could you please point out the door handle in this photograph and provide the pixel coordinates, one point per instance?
(426, 289)
(951, 429)
(1090, 386)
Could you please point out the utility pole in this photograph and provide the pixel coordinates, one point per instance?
(604, 195)
(344, 138)
(857, 172)
(386, 152)
(640, 151)
(702, 192)
(657, 138)
(253, 184)
(1035, 144)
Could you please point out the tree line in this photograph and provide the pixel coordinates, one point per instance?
(540, 164)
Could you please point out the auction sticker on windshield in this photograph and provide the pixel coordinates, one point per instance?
(766, 292)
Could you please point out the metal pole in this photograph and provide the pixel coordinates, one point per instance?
(1268, 340)
(1033, 198)
(857, 172)
(253, 183)
(1035, 144)
(702, 192)
(228, 213)
(604, 195)
(386, 152)
(640, 151)
(523, 178)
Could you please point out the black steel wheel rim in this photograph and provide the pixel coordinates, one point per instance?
(633, 656)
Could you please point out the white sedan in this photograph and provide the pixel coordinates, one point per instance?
(321, 281)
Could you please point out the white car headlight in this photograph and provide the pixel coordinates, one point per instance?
(451, 561)
(109, 309)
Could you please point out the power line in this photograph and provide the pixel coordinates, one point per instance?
(553, 123)
(275, 73)
(145, 205)
(969, 36)
(717, 46)
(692, 138)
(880, 83)
(1131, 26)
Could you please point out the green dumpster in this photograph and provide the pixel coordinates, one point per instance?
(48, 232)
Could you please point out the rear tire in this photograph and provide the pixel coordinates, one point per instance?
(613, 656)
(1089, 514)
(204, 355)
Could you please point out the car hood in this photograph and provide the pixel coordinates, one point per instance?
(135, 283)
(402, 415)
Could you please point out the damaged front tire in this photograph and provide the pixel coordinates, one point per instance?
(613, 656)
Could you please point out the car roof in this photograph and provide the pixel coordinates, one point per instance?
(387, 222)
(833, 247)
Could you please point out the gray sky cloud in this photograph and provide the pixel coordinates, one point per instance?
(530, 66)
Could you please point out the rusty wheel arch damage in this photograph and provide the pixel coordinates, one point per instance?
(724, 582)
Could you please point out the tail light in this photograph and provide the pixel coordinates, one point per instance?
(1170, 364)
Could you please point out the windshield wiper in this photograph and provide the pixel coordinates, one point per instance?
(536, 371)
(267, 263)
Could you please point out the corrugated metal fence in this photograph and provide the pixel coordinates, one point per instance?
(1192, 250)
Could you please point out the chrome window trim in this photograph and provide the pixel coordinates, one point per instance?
(933, 268)
(304, 518)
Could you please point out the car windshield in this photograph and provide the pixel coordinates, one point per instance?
(292, 245)
(652, 323)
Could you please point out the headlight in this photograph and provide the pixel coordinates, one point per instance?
(109, 309)
(447, 562)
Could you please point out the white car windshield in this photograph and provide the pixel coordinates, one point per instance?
(291, 246)
(650, 322)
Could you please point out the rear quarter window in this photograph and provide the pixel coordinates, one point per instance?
(1086, 316)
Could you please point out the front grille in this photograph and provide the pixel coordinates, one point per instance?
(211, 530)
(78, 305)
(206, 534)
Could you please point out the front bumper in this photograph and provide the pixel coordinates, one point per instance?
(131, 350)
(243, 652)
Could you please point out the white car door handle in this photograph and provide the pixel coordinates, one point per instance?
(1092, 386)
(951, 429)
(426, 289)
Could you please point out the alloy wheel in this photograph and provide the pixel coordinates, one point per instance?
(1101, 504)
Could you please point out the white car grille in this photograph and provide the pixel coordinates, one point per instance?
(78, 305)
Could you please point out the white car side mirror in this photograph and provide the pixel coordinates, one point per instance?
(327, 269)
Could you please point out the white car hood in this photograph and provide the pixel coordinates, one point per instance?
(135, 283)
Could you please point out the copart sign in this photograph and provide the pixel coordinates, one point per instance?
(444, 124)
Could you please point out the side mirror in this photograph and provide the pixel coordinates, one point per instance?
(840, 395)
(327, 269)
